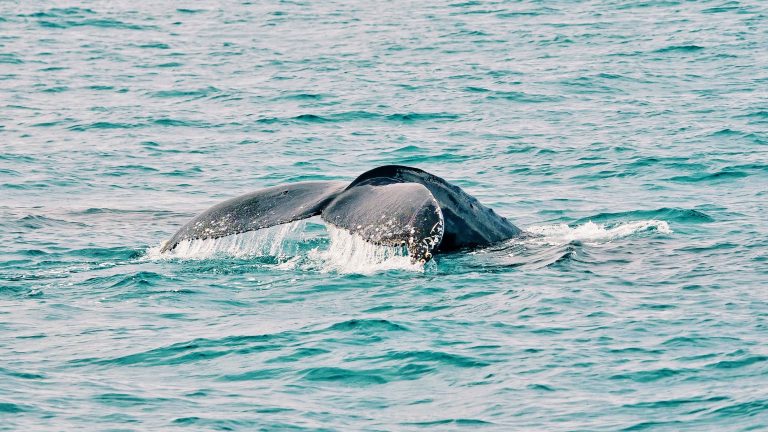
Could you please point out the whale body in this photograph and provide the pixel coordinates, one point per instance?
(391, 205)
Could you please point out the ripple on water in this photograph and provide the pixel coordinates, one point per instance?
(627, 138)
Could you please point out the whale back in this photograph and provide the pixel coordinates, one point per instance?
(467, 223)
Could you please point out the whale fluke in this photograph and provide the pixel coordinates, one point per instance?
(391, 214)
(261, 209)
(391, 205)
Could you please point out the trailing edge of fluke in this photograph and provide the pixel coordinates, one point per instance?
(390, 205)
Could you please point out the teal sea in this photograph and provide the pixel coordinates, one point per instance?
(630, 137)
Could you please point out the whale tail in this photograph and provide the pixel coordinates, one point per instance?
(404, 214)
(390, 205)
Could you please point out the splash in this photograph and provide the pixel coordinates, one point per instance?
(350, 253)
(293, 248)
(591, 232)
(280, 241)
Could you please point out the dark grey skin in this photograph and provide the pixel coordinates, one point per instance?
(390, 205)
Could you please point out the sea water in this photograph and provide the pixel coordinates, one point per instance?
(627, 138)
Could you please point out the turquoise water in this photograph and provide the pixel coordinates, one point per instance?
(629, 136)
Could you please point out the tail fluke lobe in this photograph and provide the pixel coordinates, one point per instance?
(390, 214)
(261, 209)
(468, 223)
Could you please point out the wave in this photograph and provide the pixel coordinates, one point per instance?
(349, 116)
(679, 215)
(680, 49)
(34, 222)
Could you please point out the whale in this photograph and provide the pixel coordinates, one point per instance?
(390, 205)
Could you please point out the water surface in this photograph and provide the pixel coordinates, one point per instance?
(631, 136)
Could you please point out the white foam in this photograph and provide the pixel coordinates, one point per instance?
(591, 232)
(350, 253)
(344, 253)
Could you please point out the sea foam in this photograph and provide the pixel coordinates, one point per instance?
(591, 232)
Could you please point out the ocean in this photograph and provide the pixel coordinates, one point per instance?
(629, 138)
